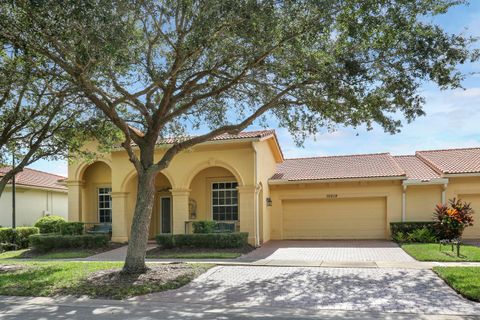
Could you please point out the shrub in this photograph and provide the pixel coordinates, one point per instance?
(204, 226)
(400, 237)
(423, 235)
(407, 227)
(204, 240)
(47, 242)
(16, 238)
(49, 224)
(165, 241)
(8, 247)
(72, 228)
(451, 220)
(414, 231)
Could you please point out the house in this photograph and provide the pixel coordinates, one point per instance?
(246, 179)
(37, 194)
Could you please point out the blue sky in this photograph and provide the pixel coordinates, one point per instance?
(452, 120)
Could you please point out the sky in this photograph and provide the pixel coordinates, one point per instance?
(452, 117)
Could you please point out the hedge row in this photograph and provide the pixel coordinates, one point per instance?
(46, 242)
(408, 227)
(414, 231)
(203, 240)
(72, 228)
(16, 238)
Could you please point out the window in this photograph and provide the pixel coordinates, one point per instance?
(105, 205)
(225, 201)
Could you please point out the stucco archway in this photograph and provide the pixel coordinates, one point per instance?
(163, 186)
(214, 194)
(96, 190)
(210, 164)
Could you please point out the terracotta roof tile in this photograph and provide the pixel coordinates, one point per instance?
(415, 168)
(338, 167)
(224, 136)
(35, 178)
(465, 160)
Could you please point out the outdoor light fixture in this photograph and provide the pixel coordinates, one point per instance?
(269, 202)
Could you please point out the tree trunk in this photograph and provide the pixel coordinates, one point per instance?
(4, 181)
(3, 184)
(137, 244)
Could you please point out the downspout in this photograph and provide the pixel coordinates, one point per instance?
(404, 203)
(255, 198)
(444, 189)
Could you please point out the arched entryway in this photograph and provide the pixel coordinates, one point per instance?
(96, 193)
(214, 195)
(161, 219)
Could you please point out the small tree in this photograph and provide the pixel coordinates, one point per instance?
(451, 220)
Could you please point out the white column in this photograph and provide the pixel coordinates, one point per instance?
(75, 200)
(119, 217)
(404, 203)
(179, 209)
(247, 211)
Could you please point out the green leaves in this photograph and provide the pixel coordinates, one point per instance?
(166, 67)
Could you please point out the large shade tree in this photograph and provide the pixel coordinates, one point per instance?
(158, 68)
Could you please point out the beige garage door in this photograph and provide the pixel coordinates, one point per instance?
(352, 218)
(474, 231)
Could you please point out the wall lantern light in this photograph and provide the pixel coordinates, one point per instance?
(269, 202)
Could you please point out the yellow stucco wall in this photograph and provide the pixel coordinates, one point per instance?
(467, 189)
(191, 173)
(421, 202)
(266, 165)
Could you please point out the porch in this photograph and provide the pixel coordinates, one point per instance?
(212, 193)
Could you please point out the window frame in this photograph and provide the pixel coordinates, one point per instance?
(236, 205)
(104, 208)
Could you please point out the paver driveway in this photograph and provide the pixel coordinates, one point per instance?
(335, 250)
(356, 289)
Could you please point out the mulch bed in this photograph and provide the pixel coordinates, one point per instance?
(159, 274)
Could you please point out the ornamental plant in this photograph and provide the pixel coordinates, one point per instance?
(452, 219)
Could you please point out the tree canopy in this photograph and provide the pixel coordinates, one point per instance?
(41, 116)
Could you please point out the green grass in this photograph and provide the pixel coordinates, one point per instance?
(464, 280)
(68, 278)
(27, 254)
(432, 252)
(195, 255)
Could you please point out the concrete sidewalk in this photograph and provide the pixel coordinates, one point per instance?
(71, 308)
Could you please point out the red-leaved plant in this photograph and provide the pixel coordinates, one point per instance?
(451, 220)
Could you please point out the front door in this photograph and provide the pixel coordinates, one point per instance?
(165, 215)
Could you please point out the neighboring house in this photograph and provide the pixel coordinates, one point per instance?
(245, 178)
(37, 194)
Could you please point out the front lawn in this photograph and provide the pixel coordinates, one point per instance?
(431, 252)
(57, 253)
(93, 279)
(197, 253)
(464, 280)
(61, 254)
